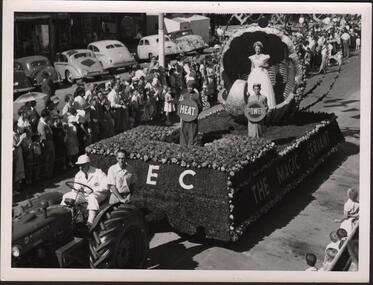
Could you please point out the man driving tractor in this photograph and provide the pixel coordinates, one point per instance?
(90, 185)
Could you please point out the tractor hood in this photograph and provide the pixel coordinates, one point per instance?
(34, 226)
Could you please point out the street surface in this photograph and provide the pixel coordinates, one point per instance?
(304, 218)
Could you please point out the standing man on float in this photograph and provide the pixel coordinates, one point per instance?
(192, 105)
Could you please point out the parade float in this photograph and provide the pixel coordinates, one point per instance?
(229, 180)
(215, 189)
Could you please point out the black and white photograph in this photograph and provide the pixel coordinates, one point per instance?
(185, 141)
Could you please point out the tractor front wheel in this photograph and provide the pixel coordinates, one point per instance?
(120, 240)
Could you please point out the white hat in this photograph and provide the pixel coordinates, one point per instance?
(83, 159)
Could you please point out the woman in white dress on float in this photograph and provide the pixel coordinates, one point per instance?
(259, 74)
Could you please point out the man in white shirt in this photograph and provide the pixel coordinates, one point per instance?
(346, 44)
(94, 178)
(116, 109)
(120, 179)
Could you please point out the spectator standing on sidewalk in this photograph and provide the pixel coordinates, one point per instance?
(47, 85)
(358, 43)
(71, 139)
(47, 144)
(346, 43)
(18, 162)
(59, 134)
(116, 109)
(351, 211)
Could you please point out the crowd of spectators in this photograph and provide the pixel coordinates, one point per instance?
(321, 45)
(339, 237)
(48, 143)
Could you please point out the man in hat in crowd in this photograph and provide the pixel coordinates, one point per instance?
(189, 130)
(95, 179)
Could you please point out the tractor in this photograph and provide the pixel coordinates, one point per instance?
(44, 227)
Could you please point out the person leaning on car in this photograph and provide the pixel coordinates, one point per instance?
(120, 179)
(47, 85)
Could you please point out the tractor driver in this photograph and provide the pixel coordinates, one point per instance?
(94, 178)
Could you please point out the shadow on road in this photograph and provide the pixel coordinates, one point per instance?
(177, 256)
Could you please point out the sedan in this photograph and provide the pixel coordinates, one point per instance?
(78, 64)
(149, 46)
(35, 67)
(20, 81)
(112, 54)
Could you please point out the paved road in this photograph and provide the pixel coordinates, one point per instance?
(301, 222)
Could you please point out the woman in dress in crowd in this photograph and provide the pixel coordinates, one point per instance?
(94, 122)
(106, 121)
(169, 105)
(28, 156)
(18, 163)
(259, 74)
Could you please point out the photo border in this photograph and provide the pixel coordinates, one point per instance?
(21, 274)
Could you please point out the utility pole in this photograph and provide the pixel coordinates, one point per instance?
(161, 40)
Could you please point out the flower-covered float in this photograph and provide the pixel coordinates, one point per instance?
(229, 180)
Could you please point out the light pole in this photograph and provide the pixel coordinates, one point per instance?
(161, 40)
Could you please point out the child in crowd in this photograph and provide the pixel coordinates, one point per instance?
(342, 237)
(351, 212)
(311, 262)
(169, 105)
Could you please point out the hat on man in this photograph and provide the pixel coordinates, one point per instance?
(83, 159)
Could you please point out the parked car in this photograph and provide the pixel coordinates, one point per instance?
(187, 41)
(20, 81)
(112, 54)
(148, 47)
(78, 64)
(35, 66)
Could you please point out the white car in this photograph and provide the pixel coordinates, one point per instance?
(112, 54)
(148, 47)
(77, 64)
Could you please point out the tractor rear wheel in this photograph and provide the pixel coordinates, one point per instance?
(120, 240)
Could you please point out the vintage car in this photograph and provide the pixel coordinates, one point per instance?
(20, 81)
(112, 54)
(78, 64)
(35, 67)
(148, 47)
(187, 41)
